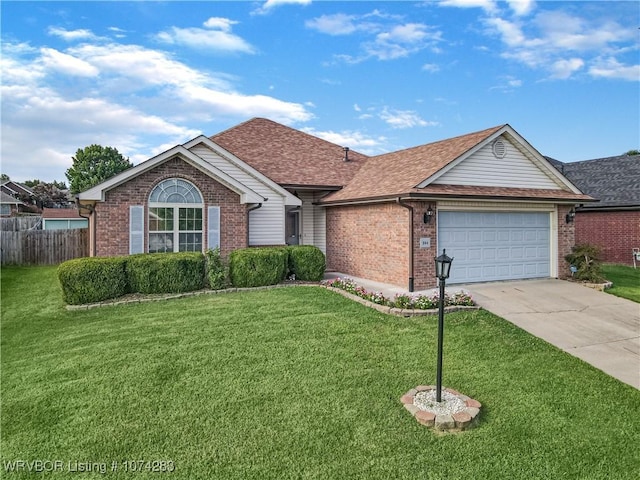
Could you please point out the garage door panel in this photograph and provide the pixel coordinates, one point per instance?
(495, 245)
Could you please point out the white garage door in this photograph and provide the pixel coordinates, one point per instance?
(489, 246)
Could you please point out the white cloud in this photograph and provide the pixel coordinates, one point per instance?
(521, 7)
(349, 138)
(68, 64)
(612, 68)
(220, 23)
(508, 84)
(431, 67)
(404, 119)
(144, 98)
(560, 43)
(487, 5)
(563, 69)
(72, 35)
(216, 37)
(387, 36)
(336, 24)
(271, 4)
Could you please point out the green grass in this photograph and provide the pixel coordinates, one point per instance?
(626, 281)
(294, 383)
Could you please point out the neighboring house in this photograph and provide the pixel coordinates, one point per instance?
(21, 192)
(62, 218)
(16, 189)
(9, 205)
(613, 223)
(489, 198)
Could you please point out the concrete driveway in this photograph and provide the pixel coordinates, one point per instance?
(599, 328)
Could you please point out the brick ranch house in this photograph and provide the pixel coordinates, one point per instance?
(613, 223)
(489, 198)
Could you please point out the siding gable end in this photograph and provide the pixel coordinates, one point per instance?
(516, 169)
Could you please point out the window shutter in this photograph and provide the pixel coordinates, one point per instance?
(136, 229)
(213, 226)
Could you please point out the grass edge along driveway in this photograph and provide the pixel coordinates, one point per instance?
(625, 279)
(294, 383)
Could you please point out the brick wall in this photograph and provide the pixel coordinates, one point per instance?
(616, 233)
(372, 241)
(424, 269)
(369, 241)
(566, 241)
(112, 216)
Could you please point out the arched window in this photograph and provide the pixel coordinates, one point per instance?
(175, 217)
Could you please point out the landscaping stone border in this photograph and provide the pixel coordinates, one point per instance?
(399, 312)
(456, 422)
(142, 298)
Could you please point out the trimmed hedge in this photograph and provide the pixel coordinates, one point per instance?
(256, 267)
(166, 272)
(90, 280)
(306, 262)
(217, 271)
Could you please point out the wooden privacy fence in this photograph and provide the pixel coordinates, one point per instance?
(43, 247)
(15, 224)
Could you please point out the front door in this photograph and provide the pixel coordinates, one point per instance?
(292, 227)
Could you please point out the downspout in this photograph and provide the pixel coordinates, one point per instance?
(92, 224)
(410, 208)
(249, 210)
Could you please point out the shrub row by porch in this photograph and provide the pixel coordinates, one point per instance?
(255, 267)
(90, 280)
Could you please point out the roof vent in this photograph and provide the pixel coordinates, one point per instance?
(346, 153)
(499, 149)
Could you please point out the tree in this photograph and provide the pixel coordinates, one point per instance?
(632, 152)
(36, 181)
(4, 177)
(93, 165)
(50, 195)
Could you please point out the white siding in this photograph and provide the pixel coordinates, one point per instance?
(306, 218)
(266, 224)
(320, 229)
(483, 168)
(313, 222)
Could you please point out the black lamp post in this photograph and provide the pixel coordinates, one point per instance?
(443, 267)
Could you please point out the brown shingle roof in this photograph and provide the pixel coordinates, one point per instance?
(60, 213)
(288, 156)
(494, 192)
(399, 172)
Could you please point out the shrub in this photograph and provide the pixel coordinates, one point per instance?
(217, 271)
(585, 259)
(306, 262)
(255, 267)
(166, 272)
(402, 300)
(90, 280)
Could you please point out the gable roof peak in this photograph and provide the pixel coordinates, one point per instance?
(289, 156)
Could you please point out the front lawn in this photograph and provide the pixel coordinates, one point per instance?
(626, 281)
(294, 382)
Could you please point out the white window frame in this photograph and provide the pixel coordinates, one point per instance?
(176, 206)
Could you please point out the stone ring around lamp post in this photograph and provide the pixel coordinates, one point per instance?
(449, 410)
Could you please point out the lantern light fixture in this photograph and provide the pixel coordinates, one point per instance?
(428, 215)
(571, 215)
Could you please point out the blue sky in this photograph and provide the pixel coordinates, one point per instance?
(374, 76)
